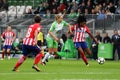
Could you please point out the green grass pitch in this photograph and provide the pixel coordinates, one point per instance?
(61, 70)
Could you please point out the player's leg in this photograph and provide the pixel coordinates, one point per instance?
(80, 46)
(88, 51)
(118, 51)
(3, 52)
(38, 56)
(50, 50)
(22, 58)
(55, 49)
(114, 49)
(83, 55)
(8, 50)
(19, 63)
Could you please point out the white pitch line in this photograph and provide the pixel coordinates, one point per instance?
(70, 73)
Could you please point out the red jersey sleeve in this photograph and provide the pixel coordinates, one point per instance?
(3, 34)
(13, 33)
(87, 29)
(73, 27)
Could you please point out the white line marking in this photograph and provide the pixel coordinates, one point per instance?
(69, 73)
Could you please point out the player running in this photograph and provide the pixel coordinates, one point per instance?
(8, 37)
(52, 39)
(30, 45)
(79, 31)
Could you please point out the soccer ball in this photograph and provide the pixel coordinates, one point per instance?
(101, 60)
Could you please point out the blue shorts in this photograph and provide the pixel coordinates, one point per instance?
(27, 49)
(7, 46)
(82, 45)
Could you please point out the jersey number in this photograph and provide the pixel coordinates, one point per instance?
(28, 32)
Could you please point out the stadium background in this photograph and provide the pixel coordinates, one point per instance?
(56, 69)
(16, 17)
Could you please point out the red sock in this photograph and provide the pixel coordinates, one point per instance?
(20, 61)
(84, 58)
(37, 58)
(3, 53)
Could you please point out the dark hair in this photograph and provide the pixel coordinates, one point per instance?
(81, 19)
(37, 19)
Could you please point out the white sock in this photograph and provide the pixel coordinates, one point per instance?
(46, 57)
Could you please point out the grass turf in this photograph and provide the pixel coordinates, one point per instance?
(61, 70)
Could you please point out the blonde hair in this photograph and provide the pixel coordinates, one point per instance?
(57, 16)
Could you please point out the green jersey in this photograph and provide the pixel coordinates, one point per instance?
(56, 28)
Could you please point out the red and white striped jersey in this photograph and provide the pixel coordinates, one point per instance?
(29, 39)
(79, 33)
(8, 37)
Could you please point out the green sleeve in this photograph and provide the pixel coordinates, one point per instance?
(65, 23)
(52, 28)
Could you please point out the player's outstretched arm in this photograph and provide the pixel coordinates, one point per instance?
(69, 29)
(53, 36)
(93, 38)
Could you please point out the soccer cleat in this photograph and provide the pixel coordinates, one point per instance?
(1, 59)
(15, 69)
(43, 63)
(9, 57)
(46, 60)
(36, 68)
(87, 65)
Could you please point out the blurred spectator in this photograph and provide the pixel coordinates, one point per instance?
(82, 7)
(104, 6)
(89, 6)
(106, 38)
(75, 6)
(86, 11)
(17, 47)
(79, 12)
(93, 11)
(61, 7)
(69, 6)
(95, 50)
(116, 43)
(102, 15)
(98, 8)
(3, 5)
(99, 1)
(98, 36)
(40, 9)
(50, 2)
(48, 14)
(111, 7)
(29, 11)
(108, 12)
(54, 11)
(46, 6)
(72, 14)
(53, 6)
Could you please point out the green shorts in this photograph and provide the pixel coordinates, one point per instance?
(51, 43)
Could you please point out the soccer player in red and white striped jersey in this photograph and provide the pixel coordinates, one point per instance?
(30, 45)
(8, 37)
(79, 30)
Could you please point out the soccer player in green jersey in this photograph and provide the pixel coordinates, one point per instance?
(52, 39)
